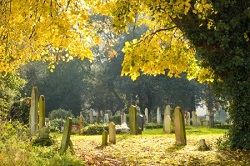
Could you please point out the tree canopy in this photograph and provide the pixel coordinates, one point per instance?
(44, 30)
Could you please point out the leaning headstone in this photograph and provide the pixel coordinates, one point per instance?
(158, 117)
(146, 116)
(66, 135)
(106, 119)
(140, 122)
(91, 118)
(34, 111)
(112, 133)
(104, 138)
(133, 125)
(179, 127)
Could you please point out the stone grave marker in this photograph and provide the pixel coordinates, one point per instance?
(123, 118)
(179, 127)
(106, 119)
(91, 117)
(104, 138)
(41, 112)
(158, 116)
(66, 135)
(133, 125)
(167, 120)
(34, 111)
(140, 122)
(194, 118)
(146, 116)
(112, 133)
(81, 120)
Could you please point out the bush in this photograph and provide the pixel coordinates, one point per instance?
(60, 113)
(116, 119)
(93, 129)
(16, 149)
(153, 126)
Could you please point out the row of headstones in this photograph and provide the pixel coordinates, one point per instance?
(37, 122)
(195, 119)
(179, 124)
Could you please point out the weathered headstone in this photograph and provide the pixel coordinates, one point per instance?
(188, 120)
(66, 135)
(91, 118)
(133, 125)
(146, 116)
(112, 133)
(81, 120)
(104, 138)
(194, 118)
(167, 124)
(167, 120)
(34, 111)
(123, 118)
(41, 112)
(106, 119)
(158, 116)
(179, 127)
(140, 122)
(198, 120)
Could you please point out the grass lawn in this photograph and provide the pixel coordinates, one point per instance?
(154, 147)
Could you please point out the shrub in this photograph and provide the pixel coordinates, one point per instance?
(16, 149)
(93, 129)
(153, 126)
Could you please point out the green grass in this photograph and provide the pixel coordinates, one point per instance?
(189, 130)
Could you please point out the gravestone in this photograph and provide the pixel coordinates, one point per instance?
(140, 122)
(112, 133)
(34, 111)
(194, 118)
(167, 124)
(133, 125)
(81, 120)
(198, 120)
(41, 112)
(179, 127)
(106, 119)
(66, 135)
(91, 118)
(158, 117)
(146, 116)
(188, 120)
(104, 138)
(123, 118)
(167, 120)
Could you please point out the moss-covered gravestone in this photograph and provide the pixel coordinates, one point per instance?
(66, 136)
(133, 120)
(179, 127)
(34, 111)
(104, 138)
(41, 112)
(112, 133)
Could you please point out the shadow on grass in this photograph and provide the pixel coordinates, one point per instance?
(174, 148)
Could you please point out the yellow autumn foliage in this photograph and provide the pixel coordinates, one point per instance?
(43, 30)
